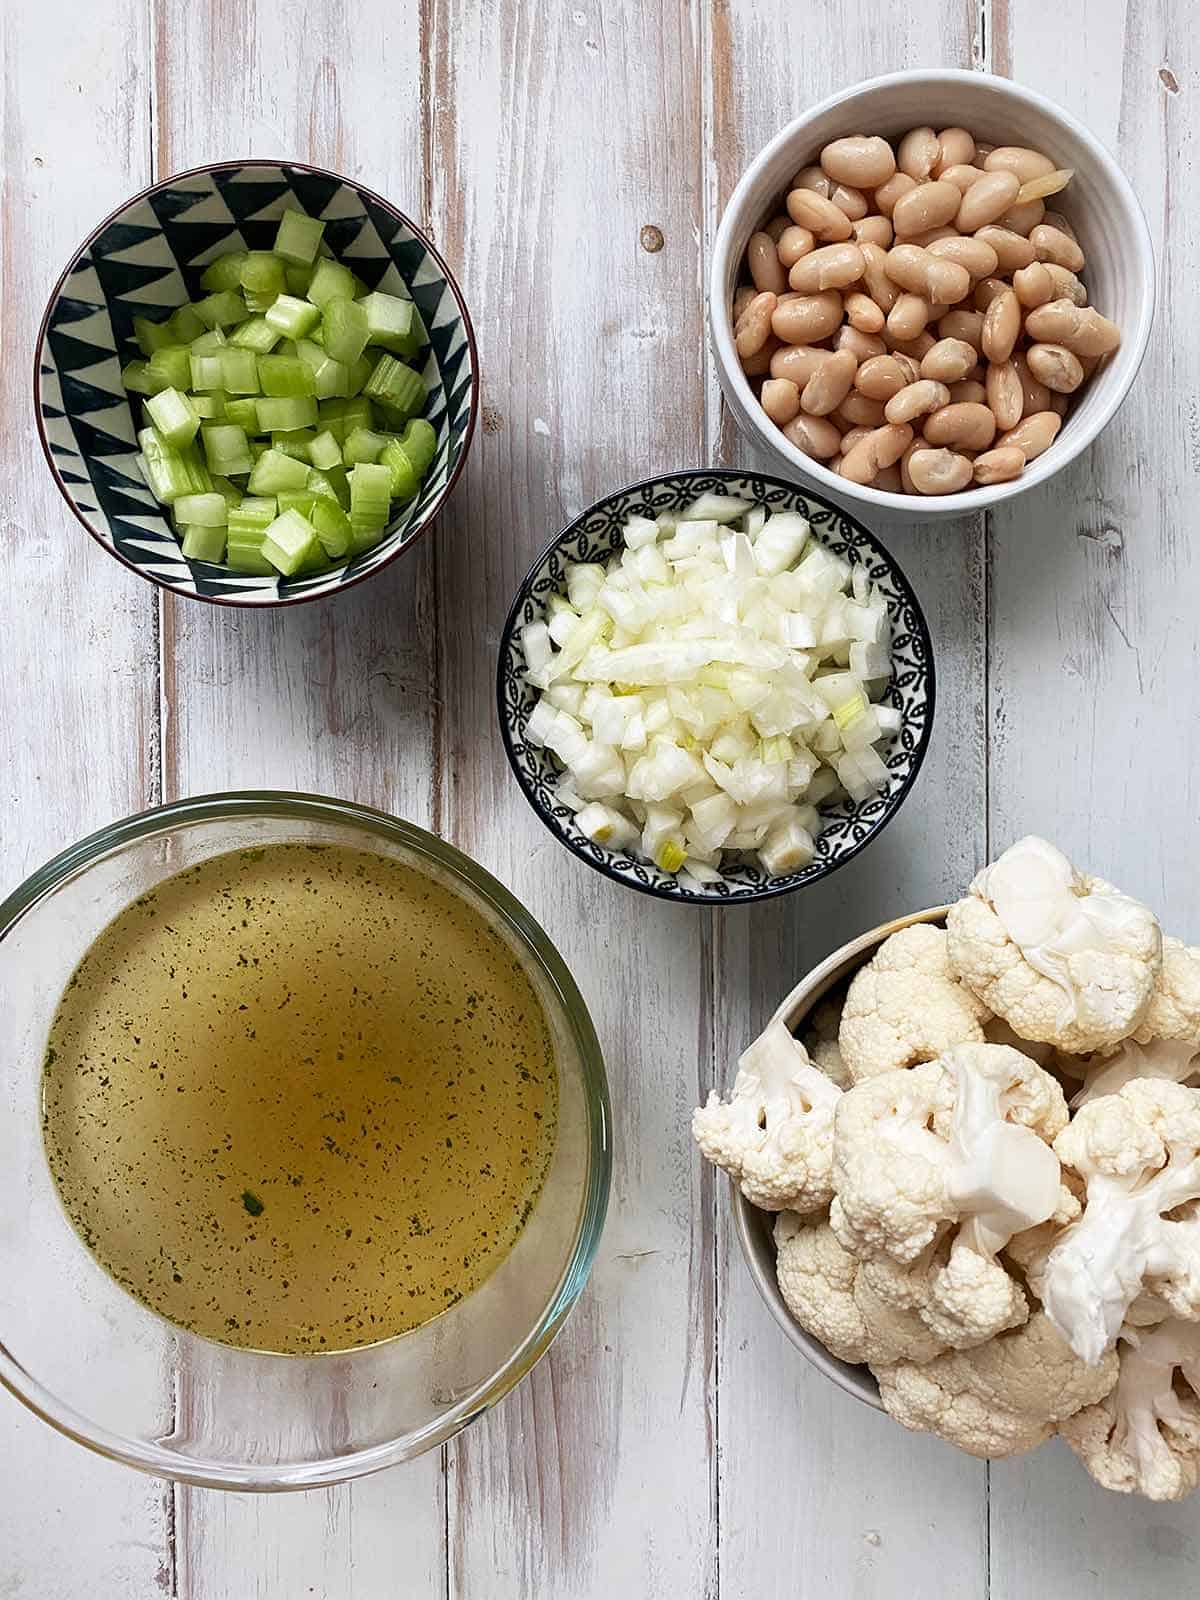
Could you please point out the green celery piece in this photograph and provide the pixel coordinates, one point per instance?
(204, 543)
(365, 533)
(341, 417)
(395, 386)
(239, 370)
(316, 561)
(225, 272)
(151, 336)
(285, 375)
(288, 542)
(263, 274)
(209, 407)
(363, 445)
(199, 478)
(406, 480)
(330, 281)
(221, 310)
(331, 379)
(256, 334)
(137, 378)
(172, 363)
(244, 412)
(301, 500)
(203, 510)
(174, 415)
(370, 491)
(324, 451)
(225, 448)
(299, 237)
(209, 343)
(242, 557)
(332, 527)
(420, 442)
(294, 444)
(185, 324)
(359, 374)
(293, 317)
(274, 471)
(251, 519)
(286, 413)
(165, 471)
(232, 494)
(319, 483)
(345, 326)
(339, 480)
(298, 277)
(205, 371)
(390, 321)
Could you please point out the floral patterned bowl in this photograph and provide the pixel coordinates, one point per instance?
(147, 258)
(595, 536)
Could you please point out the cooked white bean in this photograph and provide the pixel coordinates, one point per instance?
(938, 471)
(862, 160)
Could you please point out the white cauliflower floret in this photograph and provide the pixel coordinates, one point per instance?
(774, 1136)
(905, 1006)
(997, 1031)
(824, 1288)
(961, 1296)
(1171, 1060)
(1064, 958)
(821, 1042)
(1144, 1437)
(1139, 1154)
(1174, 1009)
(1166, 1045)
(964, 1139)
(1001, 1399)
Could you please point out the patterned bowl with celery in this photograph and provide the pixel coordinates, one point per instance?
(256, 383)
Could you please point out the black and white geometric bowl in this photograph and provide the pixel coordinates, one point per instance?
(145, 259)
(595, 536)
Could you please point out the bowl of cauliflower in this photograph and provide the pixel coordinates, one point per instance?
(965, 1171)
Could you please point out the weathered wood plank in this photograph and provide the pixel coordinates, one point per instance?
(818, 1495)
(336, 697)
(78, 717)
(559, 133)
(1094, 584)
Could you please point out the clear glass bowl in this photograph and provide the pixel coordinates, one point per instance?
(206, 1413)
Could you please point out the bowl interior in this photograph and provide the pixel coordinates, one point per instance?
(184, 1406)
(146, 260)
(595, 536)
(1099, 203)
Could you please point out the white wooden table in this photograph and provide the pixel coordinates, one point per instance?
(671, 1445)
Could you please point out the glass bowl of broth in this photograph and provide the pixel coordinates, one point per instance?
(305, 1141)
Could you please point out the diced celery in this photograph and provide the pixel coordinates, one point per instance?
(151, 336)
(225, 272)
(301, 500)
(239, 370)
(359, 374)
(174, 415)
(286, 413)
(345, 327)
(319, 483)
(390, 321)
(315, 561)
(209, 407)
(208, 343)
(370, 493)
(263, 274)
(185, 324)
(294, 444)
(339, 482)
(225, 448)
(206, 371)
(137, 378)
(256, 334)
(293, 317)
(203, 510)
(172, 365)
(232, 494)
(331, 379)
(299, 237)
(330, 281)
(221, 310)
(365, 533)
(332, 527)
(363, 445)
(420, 440)
(248, 557)
(204, 543)
(251, 519)
(244, 413)
(298, 277)
(395, 386)
(341, 417)
(199, 478)
(285, 375)
(406, 480)
(166, 473)
(274, 471)
(289, 541)
(324, 450)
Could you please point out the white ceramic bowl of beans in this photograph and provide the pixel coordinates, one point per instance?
(1099, 204)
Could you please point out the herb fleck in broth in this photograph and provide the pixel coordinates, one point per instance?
(299, 1098)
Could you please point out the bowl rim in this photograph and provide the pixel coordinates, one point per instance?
(982, 497)
(792, 1010)
(435, 508)
(154, 1458)
(576, 846)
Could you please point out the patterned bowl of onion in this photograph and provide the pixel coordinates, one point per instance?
(715, 686)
